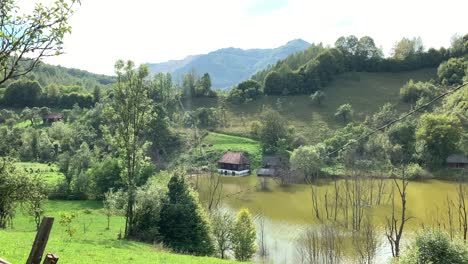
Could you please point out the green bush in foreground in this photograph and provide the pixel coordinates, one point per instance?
(435, 247)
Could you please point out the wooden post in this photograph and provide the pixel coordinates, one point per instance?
(2, 261)
(40, 242)
(51, 259)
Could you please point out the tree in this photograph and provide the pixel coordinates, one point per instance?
(129, 113)
(243, 237)
(317, 97)
(439, 135)
(189, 85)
(223, 222)
(395, 225)
(307, 159)
(452, 71)
(203, 85)
(22, 93)
(184, 225)
(36, 195)
(28, 38)
(413, 91)
(434, 246)
(407, 47)
(273, 84)
(272, 131)
(105, 176)
(345, 112)
(15, 187)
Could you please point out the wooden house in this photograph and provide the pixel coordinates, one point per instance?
(234, 163)
(273, 165)
(51, 118)
(457, 161)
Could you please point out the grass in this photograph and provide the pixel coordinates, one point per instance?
(220, 143)
(366, 92)
(50, 173)
(92, 242)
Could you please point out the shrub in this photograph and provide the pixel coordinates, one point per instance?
(435, 247)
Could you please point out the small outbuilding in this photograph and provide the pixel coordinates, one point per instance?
(234, 163)
(457, 161)
(51, 118)
(273, 165)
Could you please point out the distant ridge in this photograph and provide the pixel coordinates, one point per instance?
(229, 66)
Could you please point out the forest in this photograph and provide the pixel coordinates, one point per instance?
(130, 160)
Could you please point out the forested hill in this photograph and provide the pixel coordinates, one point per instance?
(229, 66)
(312, 69)
(47, 74)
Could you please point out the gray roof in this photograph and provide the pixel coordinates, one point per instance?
(457, 158)
(265, 172)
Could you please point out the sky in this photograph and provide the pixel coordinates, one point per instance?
(160, 30)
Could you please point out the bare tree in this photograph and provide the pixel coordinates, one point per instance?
(308, 247)
(263, 250)
(462, 210)
(322, 245)
(450, 206)
(214, 191)
(365, 242)
(395, 225)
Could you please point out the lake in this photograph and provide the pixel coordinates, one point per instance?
(288, 211)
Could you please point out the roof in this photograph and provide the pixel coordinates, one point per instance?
(234, 158)
(53, 116)
(265, 172)
(457, 158)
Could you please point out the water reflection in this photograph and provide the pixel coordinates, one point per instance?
(289, 212)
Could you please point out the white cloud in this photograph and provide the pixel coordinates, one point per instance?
(154, 31)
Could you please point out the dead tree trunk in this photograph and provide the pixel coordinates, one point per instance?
(395, 225)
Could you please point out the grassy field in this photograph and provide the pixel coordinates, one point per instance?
(92, 242)
(50, 173)
(366, 92)
(219, 143)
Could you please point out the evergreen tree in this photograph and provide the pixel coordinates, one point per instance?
(243, 236)
(184, 225)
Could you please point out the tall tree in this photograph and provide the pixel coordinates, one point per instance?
(26, 39)
(130, 114)
(243, 237)
(440, 135)
(184, 224)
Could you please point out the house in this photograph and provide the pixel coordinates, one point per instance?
(51, 118)
(234, 163)
(273, 165)
(457, 161)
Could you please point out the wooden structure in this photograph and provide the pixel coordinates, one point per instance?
(51, 118)
(273, 165)
(457, 161)
(234, 163)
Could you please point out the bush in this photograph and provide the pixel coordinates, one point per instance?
(415, 172)
(435, 247)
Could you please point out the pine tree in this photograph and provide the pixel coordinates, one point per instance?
(243, 237)
(184, 225)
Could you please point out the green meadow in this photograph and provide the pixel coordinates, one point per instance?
(92, 241)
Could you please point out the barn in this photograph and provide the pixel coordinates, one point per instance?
(234, 163)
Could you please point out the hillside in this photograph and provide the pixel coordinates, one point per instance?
(366, 92)
(47, 74)
(229, 66)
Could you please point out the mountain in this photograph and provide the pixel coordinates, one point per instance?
(229, 66)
